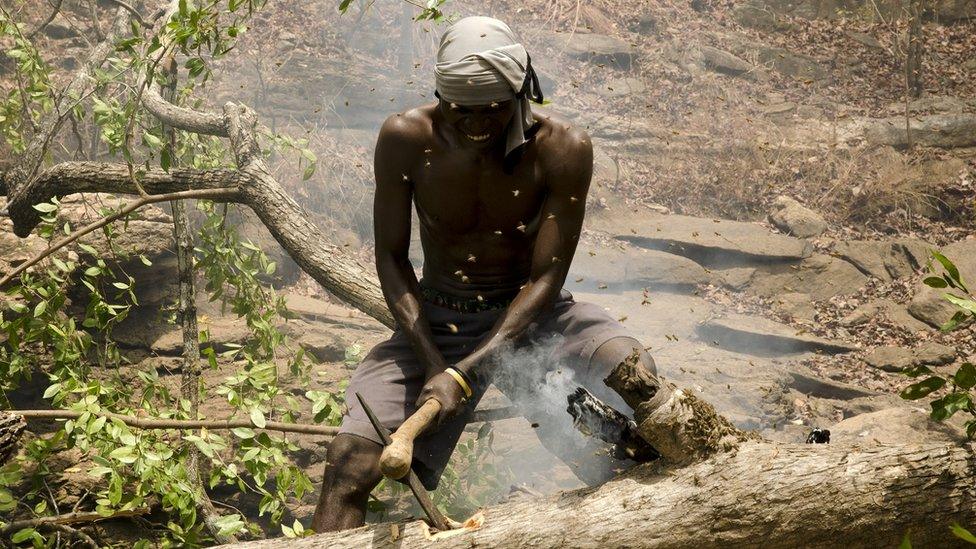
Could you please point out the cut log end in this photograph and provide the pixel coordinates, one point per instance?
(682, 427)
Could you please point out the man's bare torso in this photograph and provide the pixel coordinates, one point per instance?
(478, 225)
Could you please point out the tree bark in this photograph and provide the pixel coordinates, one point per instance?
(11, 428)
(765, 494)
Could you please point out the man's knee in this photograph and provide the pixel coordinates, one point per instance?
(352, 465)
(613, 351)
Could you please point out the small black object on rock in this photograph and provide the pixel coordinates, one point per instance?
(818, 436)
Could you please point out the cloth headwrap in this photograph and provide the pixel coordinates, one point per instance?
(480, 61)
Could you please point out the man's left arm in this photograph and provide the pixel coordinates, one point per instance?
(561, 221)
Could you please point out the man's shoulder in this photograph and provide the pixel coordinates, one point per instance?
(559, 139)
(558, 136)
(411, 127)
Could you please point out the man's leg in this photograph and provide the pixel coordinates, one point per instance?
(351, 472)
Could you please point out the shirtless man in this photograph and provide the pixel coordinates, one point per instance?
(500, 195)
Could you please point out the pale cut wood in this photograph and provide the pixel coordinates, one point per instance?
(398, 455)
(764, 495)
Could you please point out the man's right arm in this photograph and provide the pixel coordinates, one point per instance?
(396, 153)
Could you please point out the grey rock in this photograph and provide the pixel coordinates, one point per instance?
(934, 354)
(790, 64)
(622, 87)
(636, 268)
(646, 24)
(906, 256)
(58, 31)
(756, 16)
(947, 131)
(724, 62)
(797, 305)
(819, 276)
(902, 425)
(794, 218)
(890, 359)
(861, 315)
(737, 278)
(885, 259)
(864, 39)
(762, 337)
(779, 109)
(714, 242)
(929, 305)
(594, 47)
(867, 255)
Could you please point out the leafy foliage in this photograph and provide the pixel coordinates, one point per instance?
(960, 395)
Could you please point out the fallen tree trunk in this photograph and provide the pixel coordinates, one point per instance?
(765, 494)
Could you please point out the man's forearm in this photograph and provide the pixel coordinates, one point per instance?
(534, 298)
(402, 293)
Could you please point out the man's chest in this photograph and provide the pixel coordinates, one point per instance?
(462, 197)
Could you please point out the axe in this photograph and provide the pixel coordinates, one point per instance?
(437, 519)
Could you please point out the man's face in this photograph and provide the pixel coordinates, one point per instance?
(479, 126)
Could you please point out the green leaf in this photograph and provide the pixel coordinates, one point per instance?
(962, 303)
(905, 542)
(947, 406)
(121, 285)
(950, 267)
(243, 432)
(958, 318)
(52, 390)
(962, 533)
(45, 207)
(40, 308)
(965, 377)
(923, 388)
(935, 282)
(257, 418)
(23, 535)
(121, 453)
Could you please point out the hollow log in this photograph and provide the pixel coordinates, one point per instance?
(764, 494)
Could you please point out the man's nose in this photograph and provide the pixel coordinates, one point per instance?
(476, 124)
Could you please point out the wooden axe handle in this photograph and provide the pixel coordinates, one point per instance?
(398, 454)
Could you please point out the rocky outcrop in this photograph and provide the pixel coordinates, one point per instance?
(763, 337)
(947, 131)
(596, 48)
(944, 11)
(714, 242)
(636, 268)
(885, 259)
(902, 425)
(796, 219)
(929, 305)
(724, 62)
(819, 276)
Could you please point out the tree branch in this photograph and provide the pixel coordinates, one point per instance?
(69, 178)
(214, 194)
(156, 423)
(57, 9)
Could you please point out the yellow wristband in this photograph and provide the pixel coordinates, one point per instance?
(460, 379)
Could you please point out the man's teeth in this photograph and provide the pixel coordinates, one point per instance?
(481, 137)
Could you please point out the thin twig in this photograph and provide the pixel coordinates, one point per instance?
(74, 518)
(157, 423)
(149, 199)
(133, 11)
(60, 528)
(57, 10)
(231, 423)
